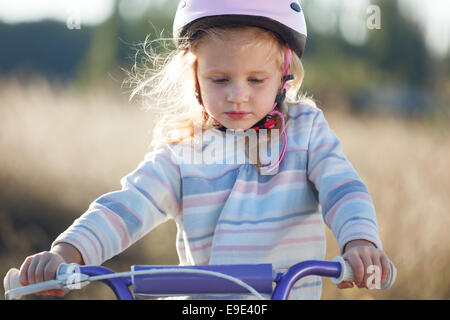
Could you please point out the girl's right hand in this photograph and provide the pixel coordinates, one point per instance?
(41, 267)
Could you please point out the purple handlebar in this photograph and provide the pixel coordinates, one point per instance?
(118, 285)
(286, 281)
(258, 276)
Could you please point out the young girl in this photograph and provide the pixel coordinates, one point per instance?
(236, 68)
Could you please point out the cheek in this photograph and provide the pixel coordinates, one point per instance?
(210, 94)
(212, 98)
(210, 90)
(266, 96)
(207, 88)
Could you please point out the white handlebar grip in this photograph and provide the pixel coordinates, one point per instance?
(346, 271)
(15, 290)
(347, 274)
(11, 280)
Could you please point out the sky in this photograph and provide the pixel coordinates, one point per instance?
(431, 16)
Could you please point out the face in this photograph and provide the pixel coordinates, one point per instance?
(237, 87)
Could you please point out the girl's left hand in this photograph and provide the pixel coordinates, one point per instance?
(362, 254)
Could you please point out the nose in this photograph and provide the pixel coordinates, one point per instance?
(237, 94)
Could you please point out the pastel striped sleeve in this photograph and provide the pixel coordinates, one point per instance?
(150, 195)
(346, 204)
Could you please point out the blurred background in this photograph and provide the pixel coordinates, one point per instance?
(68, 132)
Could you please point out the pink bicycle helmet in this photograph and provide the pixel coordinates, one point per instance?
(283, 17)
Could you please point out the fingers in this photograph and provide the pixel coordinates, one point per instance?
(385, 266)
(42, 264)
(41, 267)
(53, 292)
(356, 263)
(345, 285)
(370, 267)
(367, 262)
(23, 273)
(34, 268)
(377, 272)
(49, 271)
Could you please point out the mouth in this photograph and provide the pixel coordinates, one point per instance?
(237, 114)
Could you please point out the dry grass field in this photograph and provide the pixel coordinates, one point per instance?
(60, 151)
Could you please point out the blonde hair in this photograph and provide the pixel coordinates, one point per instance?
(167, 83)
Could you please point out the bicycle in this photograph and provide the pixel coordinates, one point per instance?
(150, 281)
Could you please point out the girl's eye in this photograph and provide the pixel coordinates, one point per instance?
(223, 80)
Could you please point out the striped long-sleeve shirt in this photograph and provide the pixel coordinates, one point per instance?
(229, 213)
